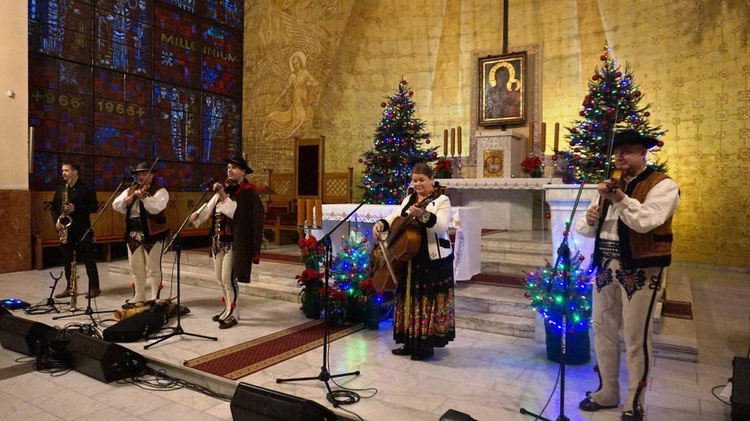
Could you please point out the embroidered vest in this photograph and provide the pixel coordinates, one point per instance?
(640, 250)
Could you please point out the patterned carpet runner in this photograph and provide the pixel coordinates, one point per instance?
(244, 359)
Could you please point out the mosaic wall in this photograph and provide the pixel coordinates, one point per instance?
(323, 68)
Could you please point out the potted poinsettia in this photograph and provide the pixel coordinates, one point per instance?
(311, 252)
(444, 169)
(532, 165)
(311, 282)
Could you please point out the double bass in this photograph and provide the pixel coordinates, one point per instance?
(390, 257)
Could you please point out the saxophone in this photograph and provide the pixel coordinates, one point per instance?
(73, 283)
(64, 219)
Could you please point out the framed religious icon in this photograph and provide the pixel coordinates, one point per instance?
(502, 86)
(492, 163)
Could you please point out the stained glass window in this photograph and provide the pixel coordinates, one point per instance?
(116, 82)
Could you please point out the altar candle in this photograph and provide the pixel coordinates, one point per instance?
(309, 212)
(557, 135)
(458, 135)
(453, 141)
(300, 212)
(543, 143)
(531, 137)
(445, 142)
(318, 213)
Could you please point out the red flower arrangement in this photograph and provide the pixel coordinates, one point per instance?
(310, 278)
(444, 168)
(532, 165)
(311, 251)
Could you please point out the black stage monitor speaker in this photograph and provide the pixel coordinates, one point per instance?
(740, 398)
(254, 403)
(103, 360)
(21, 334)
(453, 415)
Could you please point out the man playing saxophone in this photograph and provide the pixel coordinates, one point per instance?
(71, 208)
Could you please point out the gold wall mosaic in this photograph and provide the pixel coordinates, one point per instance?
(322, 67)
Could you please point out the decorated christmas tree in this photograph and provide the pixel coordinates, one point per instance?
(613, 100)
(350, 266)
(396, 149)
(546, 289)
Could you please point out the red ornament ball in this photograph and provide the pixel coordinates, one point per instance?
(581, 257)
(383, 104)
(547, 215)
(660, 143)
(595, 77)
(582, 113)
(618, 74)
(427, 141)
(360, 160)
(637, 93)
(647, 114)
(609, 111)
(411, 93)
(554, 157)
(603, 58)
(527, 295)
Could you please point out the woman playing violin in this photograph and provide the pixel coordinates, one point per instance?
(425, 314)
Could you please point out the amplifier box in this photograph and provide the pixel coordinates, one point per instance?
(740, 399)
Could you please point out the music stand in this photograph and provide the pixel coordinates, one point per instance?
(177, 242)
(563, 258)
(89, 311)
(325, 374)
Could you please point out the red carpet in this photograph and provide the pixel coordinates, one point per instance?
(247, 358)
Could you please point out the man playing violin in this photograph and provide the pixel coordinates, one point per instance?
(146, 229)
(236, 231)
(632, 228)
(425, 312)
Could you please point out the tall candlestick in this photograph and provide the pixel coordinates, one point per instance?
(318, 213)
(309, 212)
(453, 141)
(557, 135)
(531, 137)
(543, 143)
(300, 212)
(458, 135)
(445, 142)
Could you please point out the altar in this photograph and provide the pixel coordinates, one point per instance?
(466, 223)
(512, 204)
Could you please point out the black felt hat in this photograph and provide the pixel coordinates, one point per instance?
(240, 162)
(144, 166)
(631, 137)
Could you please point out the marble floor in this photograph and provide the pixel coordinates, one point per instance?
(485, 375)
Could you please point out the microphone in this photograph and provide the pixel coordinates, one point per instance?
(208, 182)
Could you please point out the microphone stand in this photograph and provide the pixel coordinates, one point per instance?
(325, 374)
(563, 259)
(177, 242)
(89, 311)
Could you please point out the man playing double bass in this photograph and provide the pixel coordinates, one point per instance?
(425, 313)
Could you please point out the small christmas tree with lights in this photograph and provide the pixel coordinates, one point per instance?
(613, 100)
(563, 289)
(545, 287)
(397, 148)
(350, 266)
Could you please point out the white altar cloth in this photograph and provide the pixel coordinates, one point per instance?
(467, 222)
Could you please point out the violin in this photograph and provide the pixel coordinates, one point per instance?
(138, 187)
(615, 182)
